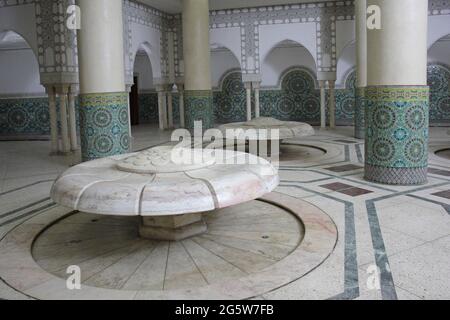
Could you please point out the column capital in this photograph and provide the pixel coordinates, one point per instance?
(332, 84)
(74, 88)
(49, 88)
(180, 87)
(62, 88)
(326, 75)
(256, 85)
(322, 84)
(248, 85)
(160, 88)
(251, 77)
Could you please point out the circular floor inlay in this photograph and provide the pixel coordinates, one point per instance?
(444, 153)
(294, 152)
(241, 240)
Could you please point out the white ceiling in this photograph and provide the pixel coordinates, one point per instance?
(174, 6)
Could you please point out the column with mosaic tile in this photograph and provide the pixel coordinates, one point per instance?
(397, 97)
(104, 121)
(361, 67)
(198, 99)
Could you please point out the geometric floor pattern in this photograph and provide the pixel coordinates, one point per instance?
(393, 241)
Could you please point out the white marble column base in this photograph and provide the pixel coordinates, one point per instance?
(172, 228)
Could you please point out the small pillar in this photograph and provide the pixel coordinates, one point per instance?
(323, 107)
(256, 87)
(72, 119)
(332, 103)
(53, 119)
(64, 119)
(172, 228)
(248, 88)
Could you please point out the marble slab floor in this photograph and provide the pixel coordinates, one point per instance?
(393, 241)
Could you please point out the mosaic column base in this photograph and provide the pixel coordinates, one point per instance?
(104, 125)
(397, 134)
(360, 121)
(199, 107)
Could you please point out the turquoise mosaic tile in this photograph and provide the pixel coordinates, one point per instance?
(104, 125)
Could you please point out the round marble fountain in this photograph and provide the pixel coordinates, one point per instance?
(270, 130)
(168, 187)
(118, 218)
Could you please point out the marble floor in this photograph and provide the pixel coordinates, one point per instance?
(393, 242)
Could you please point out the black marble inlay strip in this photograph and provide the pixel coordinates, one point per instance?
(388, 291)
(444, 205)
(351, 282)
(23, 208)
(47, 206)
(27, 186)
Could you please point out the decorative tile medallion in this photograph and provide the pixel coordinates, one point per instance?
(397, 134)
(439, 82)
(27, 118)
(199, 107)
(104, 125)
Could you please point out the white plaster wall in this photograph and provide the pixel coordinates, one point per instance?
(229, 38)
(143, 69)
(440, 52)
(19, 73)
(345, 35)
(303, 33)
(152, 39)
(222, 61)
(22, 20)
(346, 62)
(281, 59)
(438, 27)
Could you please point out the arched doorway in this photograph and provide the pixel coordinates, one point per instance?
(289, 86)
(143, 96)
(23, 104)
(229, 96)
(346, 85)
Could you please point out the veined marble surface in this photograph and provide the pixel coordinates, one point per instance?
(152, 183)
(403, 231)
(260, 129)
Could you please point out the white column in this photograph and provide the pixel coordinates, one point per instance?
(53, 118)
(397, 53)
(72, 119)
(180, 87)
(361, 66)
(197, 53)
(361, 43)
(397, 121)
(332, 104)
(248, 88)
(100, 46)
(64, 120)
(256, 87)
(102, 79)
(323, 107)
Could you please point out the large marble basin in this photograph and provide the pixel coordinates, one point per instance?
(286, 129)
(157, 186)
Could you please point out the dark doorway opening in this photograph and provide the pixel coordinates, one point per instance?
(134, 102)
